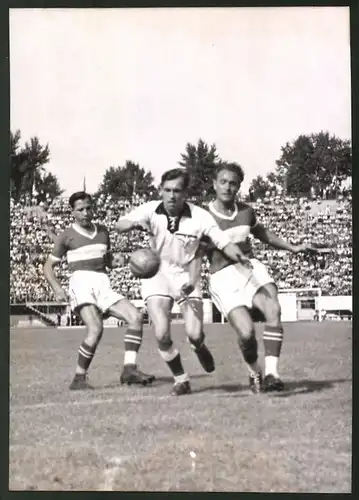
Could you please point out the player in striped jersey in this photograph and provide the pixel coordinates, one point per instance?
(87, 248)
(176, 228)
(237, 291)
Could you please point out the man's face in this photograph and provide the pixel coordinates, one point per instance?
(226, 186)
(83, 212)
(173, 195)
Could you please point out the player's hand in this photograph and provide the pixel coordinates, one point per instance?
(235, 253)
(144, 227)
(61, 295)
(187, 289)
(305, 248)
(118, 260)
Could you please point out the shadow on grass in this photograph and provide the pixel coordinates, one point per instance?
(157, 382)
(292, 388)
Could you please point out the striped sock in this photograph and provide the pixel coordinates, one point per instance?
(272, 340)
(86, 354)
(173, 360)
(133, 341)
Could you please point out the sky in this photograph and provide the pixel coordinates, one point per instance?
(102, 86)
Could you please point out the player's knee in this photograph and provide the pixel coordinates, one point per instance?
(135, 319)
(194, 332)
(164, 343)
(196, 338)
(273, 311)
(161, 328)
(242, 324)
(94, 333)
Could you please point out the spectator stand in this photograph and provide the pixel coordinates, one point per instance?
(297, 220)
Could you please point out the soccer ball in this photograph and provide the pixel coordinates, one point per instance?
(144, 263)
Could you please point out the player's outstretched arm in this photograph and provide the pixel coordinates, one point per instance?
(139, 218)
(126, 225)
(50, 276)
(263, 234)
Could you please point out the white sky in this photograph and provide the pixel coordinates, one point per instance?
(103, 86)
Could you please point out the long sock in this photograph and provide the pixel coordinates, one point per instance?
(86, 354)
(249, 348)
(133, 341)
(174, 362)
(272, 340)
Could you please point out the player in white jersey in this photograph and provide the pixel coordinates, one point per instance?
(87, 248)
(175, 229)
(238, 291)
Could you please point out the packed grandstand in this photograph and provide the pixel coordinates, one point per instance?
(326, 222)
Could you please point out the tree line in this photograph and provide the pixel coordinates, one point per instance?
(310, 163)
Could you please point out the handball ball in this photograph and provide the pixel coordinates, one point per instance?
(144, 263)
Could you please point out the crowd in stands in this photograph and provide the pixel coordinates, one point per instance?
(292, 219)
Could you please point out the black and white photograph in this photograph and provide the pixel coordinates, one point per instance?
(180, 249)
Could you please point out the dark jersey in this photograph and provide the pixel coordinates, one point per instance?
(238, 226)
(84, 252)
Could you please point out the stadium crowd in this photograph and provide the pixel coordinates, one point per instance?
(292, 219)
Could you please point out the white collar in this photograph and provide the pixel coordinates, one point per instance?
(223, 216)
(79, 230)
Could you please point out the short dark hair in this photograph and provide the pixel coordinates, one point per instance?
(176, 173)
(232, 167)
(79, 195)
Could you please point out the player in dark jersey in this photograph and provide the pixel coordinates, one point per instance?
(237, 290)
(87, 248)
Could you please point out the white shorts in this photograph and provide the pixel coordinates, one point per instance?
(234, 286)
(89, 287)
(168, 284)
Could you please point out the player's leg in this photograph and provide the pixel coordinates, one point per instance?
(240, 320)
(229, 292)
(192, 312)
(266, 300)
(92, 319)
(114, 304)
(159, 310)
(123, 309)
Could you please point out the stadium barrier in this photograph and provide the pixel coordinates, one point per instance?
(296, 304)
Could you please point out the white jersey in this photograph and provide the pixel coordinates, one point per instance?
(176, 239)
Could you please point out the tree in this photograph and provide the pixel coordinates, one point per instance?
(317, 161)
(26, 164)
(47, 186)
(200, 161)
(258, 187)
(126, 181)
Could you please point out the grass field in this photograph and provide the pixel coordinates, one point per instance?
(140, 439)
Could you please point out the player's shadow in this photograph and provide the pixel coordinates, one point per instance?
(158, 381)
(229, 387)
(169, 379)
(291, 388)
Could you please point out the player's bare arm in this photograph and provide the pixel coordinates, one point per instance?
(49, 272)
(194, 271)
(125, 226)
(263, 234)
